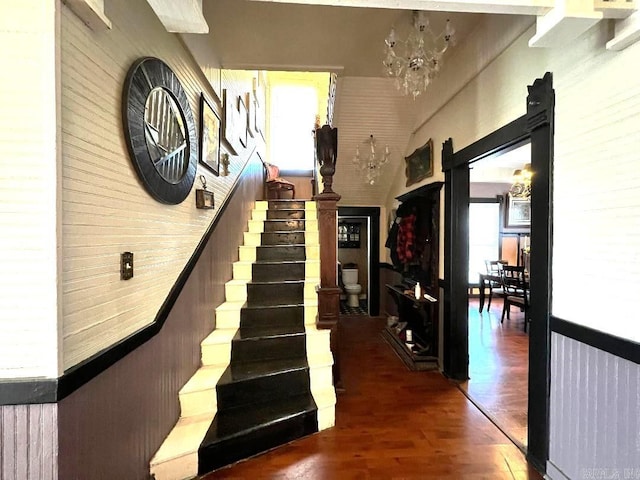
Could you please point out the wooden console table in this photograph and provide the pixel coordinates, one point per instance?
(421, 317)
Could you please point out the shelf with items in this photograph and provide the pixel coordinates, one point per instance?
(415, 335)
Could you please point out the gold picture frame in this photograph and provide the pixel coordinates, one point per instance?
(419, 164)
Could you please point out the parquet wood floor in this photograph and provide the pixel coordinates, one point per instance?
(391, 423)
(498, 367)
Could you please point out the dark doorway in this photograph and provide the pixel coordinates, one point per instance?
(535, 126)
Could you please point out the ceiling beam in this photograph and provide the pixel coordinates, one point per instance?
(514, 7)
(566, 22)
(627, 32)
(91, 12)
(180, 16)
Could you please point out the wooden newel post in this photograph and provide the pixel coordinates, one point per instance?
(327, 205)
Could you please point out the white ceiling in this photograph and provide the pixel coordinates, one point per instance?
(280, 36)
(499, 168)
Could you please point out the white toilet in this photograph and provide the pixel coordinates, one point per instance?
(351, 287)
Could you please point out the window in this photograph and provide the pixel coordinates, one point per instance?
(484, 237)
(292, 122)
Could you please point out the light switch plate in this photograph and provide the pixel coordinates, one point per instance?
(126, 265)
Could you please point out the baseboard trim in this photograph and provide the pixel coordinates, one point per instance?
(620, 347)
(26, 391)
(554, 473)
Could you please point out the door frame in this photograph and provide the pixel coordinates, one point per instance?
(373, 214)
(536, 126)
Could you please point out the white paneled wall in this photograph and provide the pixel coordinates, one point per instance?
(369, 106)
(28, 190)
(597, 185)
(106, 210)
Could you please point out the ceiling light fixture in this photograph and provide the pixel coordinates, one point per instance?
(373, 160)
(416, 61)
(521, 187)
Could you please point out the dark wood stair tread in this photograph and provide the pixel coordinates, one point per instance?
(244, 420)
(268, 331)
(244, 371)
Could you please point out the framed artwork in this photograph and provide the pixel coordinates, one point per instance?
(209, 136)
(517, 212)
(242, 121)
(231, 122)
(259, 96)
(419, 164)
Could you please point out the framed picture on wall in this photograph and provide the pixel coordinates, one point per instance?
(517, 212)
(231, 119)
(209, 136)
(243, 119)
(419, 164)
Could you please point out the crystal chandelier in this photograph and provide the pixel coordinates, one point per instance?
(372, 161)
(416, 61)
(521, 187)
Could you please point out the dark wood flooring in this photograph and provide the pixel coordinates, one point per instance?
(392, 423)
(498, 367)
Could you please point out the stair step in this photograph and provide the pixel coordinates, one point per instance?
(280, 253)
(268, 343)
(286, 315)
(282, 238)
(285, 214)
(177, 457)
(286, 204)
(275, 293)
(276, 271)
(241, 433)
(246, 383)
(284, 225)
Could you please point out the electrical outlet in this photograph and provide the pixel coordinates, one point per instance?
(126, 265)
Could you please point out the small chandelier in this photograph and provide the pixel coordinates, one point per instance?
(373, 161)
(416, 61)
(521, 187)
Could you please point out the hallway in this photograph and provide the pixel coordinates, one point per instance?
(392, 423)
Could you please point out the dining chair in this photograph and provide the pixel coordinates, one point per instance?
(494, 268)
(516, 292)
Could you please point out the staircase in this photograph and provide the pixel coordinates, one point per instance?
(266, 374)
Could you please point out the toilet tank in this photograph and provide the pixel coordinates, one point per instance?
(350, 276)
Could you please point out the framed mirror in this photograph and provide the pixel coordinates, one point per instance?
(160, 130)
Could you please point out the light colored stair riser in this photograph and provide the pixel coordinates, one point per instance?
(318, 341)
(198, 403)
(228, 315)
(235, 291)
(215, 354)
(326, 417)
(181, 468)
(320, 378)
(256, 226)
(247, 254)
(312, 252)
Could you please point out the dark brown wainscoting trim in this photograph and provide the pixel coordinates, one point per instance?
(620, 347)
(52, 390)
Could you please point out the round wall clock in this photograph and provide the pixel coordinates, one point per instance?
(160, 130)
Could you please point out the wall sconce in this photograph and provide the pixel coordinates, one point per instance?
(204, 198)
